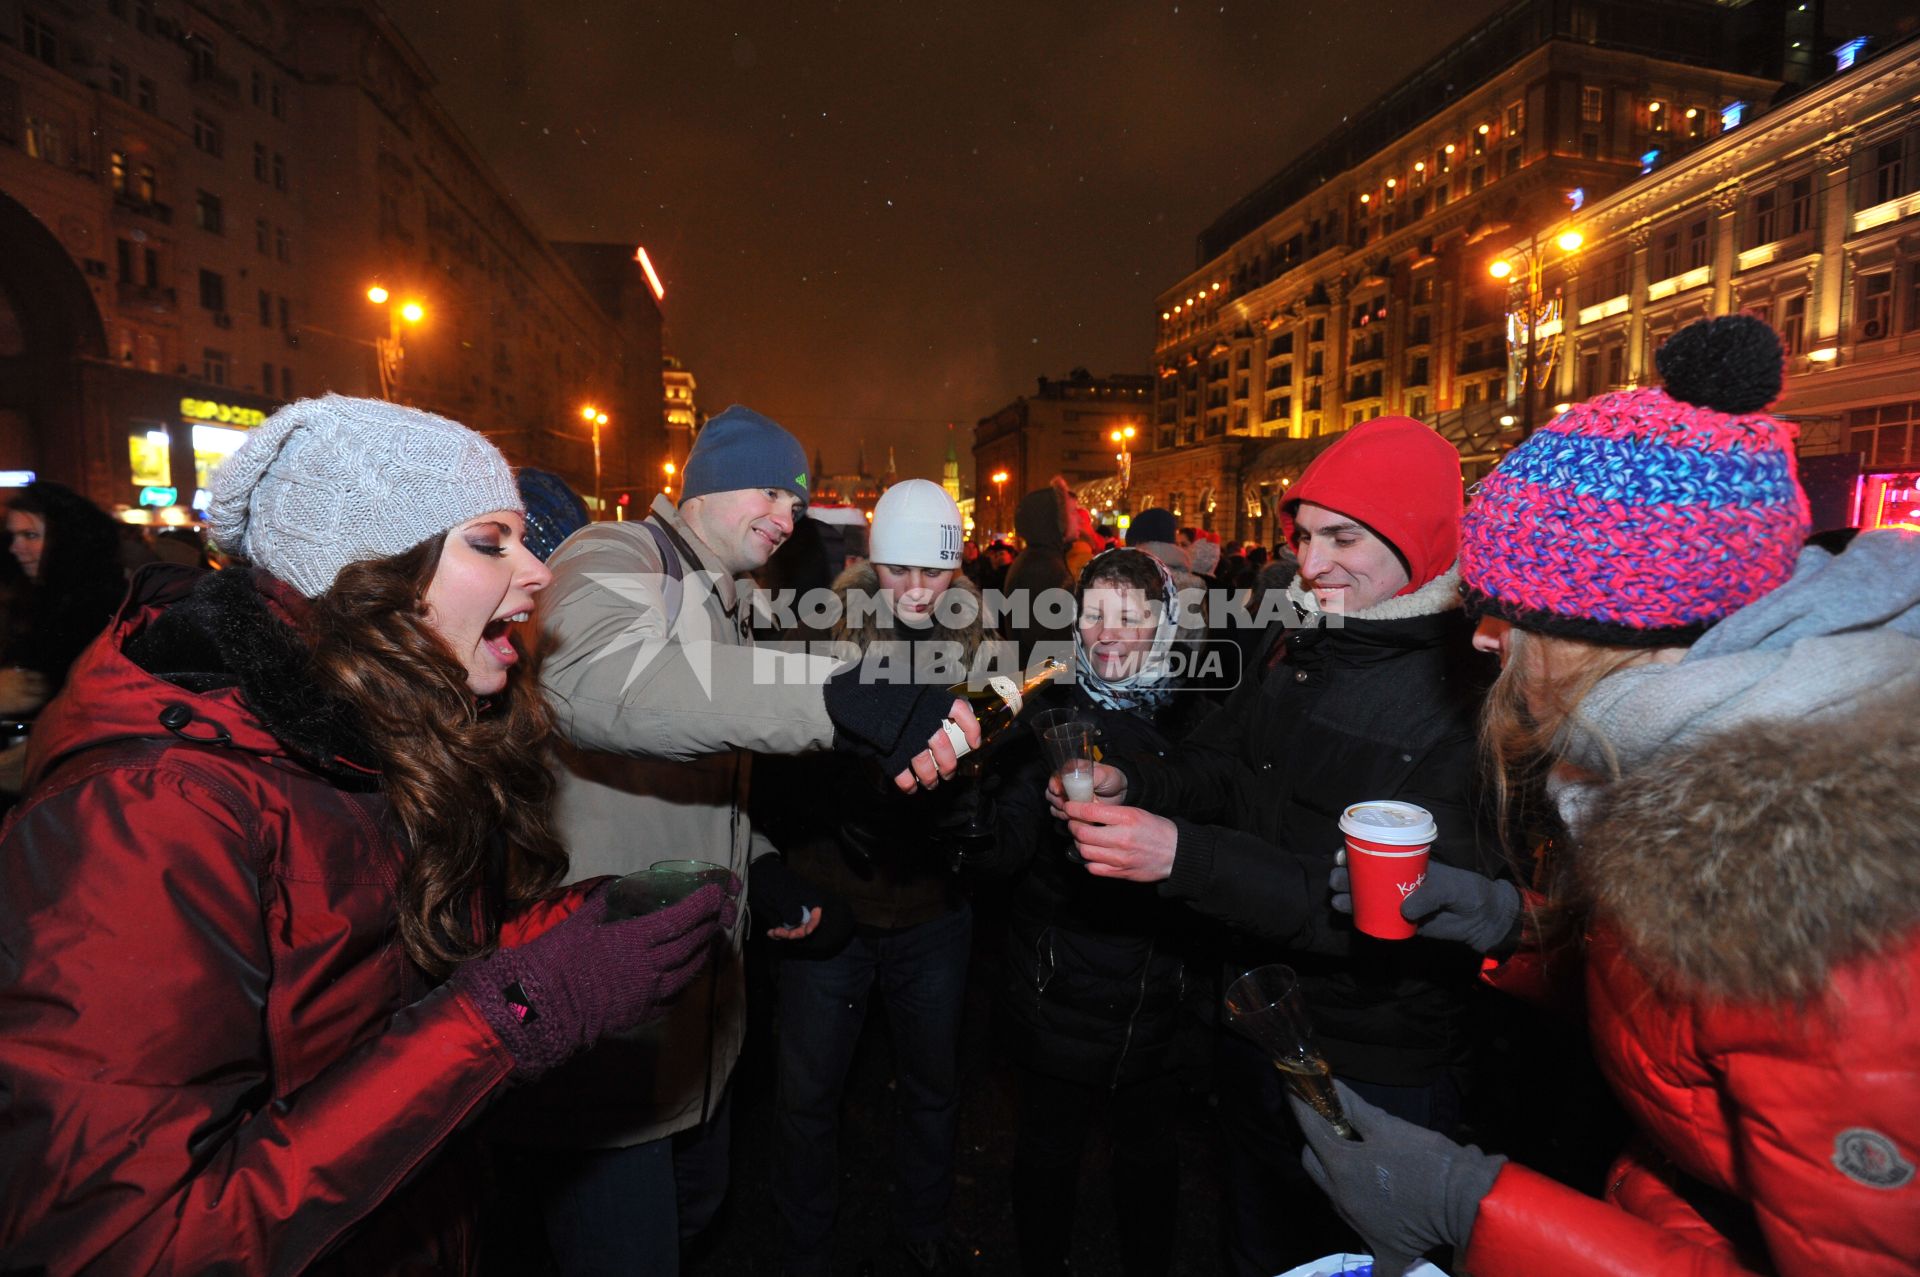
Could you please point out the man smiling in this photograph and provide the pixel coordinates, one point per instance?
(1373, 693)
(649, 664)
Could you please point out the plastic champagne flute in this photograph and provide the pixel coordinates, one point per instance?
(1265, 1005)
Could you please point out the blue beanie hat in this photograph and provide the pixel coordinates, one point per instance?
(1152, 526)
(554, 513)
(740, 449)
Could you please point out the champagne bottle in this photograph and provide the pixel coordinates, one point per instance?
(997, 704)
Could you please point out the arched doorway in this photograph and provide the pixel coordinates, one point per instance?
(48, 324)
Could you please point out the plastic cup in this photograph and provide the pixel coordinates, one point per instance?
(666, 882)
(1069, 747)
(1387, 847)
(1077, 779)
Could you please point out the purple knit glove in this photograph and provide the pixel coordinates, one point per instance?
(566, 989)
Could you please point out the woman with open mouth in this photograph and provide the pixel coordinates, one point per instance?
(277, 916)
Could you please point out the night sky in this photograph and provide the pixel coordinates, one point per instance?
(874, 219)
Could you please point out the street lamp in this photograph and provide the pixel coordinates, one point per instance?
(669, 468)
(390, 349)
(999, 497)
(1539, 318)
(1124, 437)
(596, 419)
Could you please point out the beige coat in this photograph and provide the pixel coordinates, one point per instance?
(660, 726)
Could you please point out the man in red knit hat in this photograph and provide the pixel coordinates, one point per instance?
(1372, 690)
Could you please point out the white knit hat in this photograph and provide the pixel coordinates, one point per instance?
(327, 482)
(916, 525)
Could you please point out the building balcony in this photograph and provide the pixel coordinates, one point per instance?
(1482, 361)
(1698, 277)
(147, 297)
(1883, 214)
(127, 201)
(1780, 250)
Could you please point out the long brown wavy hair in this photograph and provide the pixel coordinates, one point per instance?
(463, 776)
(1538, 693)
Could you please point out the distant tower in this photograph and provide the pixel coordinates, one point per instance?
(683, 421)
(950, 470)
(892, 471)
(819, 471)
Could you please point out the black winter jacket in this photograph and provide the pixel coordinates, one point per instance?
(1383, 707)
(1096, 968)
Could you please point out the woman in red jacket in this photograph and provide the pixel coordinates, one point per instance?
(276, 919)
(1732, 727)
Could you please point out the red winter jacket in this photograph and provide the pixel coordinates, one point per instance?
(214, 1053)
(1797, 1119)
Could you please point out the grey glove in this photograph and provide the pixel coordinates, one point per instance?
(1452, 904)
(1403, 1188)
(1461, 905)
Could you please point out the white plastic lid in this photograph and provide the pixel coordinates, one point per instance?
(1384, 820)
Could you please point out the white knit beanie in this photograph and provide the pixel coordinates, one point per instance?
(916, 524)
(327, 482)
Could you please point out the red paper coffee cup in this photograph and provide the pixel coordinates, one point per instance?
(1387, 846)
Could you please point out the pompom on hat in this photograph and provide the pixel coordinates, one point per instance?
(331, 481)
(1641, 518)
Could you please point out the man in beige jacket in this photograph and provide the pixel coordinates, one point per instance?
(662, 699)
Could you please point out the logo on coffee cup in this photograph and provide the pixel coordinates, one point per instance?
(1408, 888)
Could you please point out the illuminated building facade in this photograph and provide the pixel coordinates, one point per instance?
(682, 416)
(195, 203)
(1354, 283)
(1807, 216)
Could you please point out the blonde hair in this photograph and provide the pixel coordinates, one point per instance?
(1537, 695)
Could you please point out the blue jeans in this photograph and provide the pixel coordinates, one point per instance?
(922, 976)
(617, 1212)
(1275, 1217)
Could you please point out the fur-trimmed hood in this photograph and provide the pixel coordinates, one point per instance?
(958, 621)
(1751, 864)
(211, 657)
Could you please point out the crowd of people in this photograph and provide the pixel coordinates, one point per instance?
(318, 942)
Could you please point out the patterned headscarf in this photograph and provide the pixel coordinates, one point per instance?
(1147, 688)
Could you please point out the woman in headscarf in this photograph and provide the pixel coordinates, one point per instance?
(1097, 967)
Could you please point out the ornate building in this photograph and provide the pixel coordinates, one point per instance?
(854, 488)
(683, 418)
(196, 201)
(1063, 428)
(1354, 282)
(1807, 216)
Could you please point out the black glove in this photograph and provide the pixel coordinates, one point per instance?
(885, 720)
(783, 898)
(1452, 904)
(1403, 1188)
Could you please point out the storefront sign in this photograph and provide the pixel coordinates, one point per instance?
(1888, 500)
(224, 413)
(158, 496)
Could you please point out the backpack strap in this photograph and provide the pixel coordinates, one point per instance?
(670, 547)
